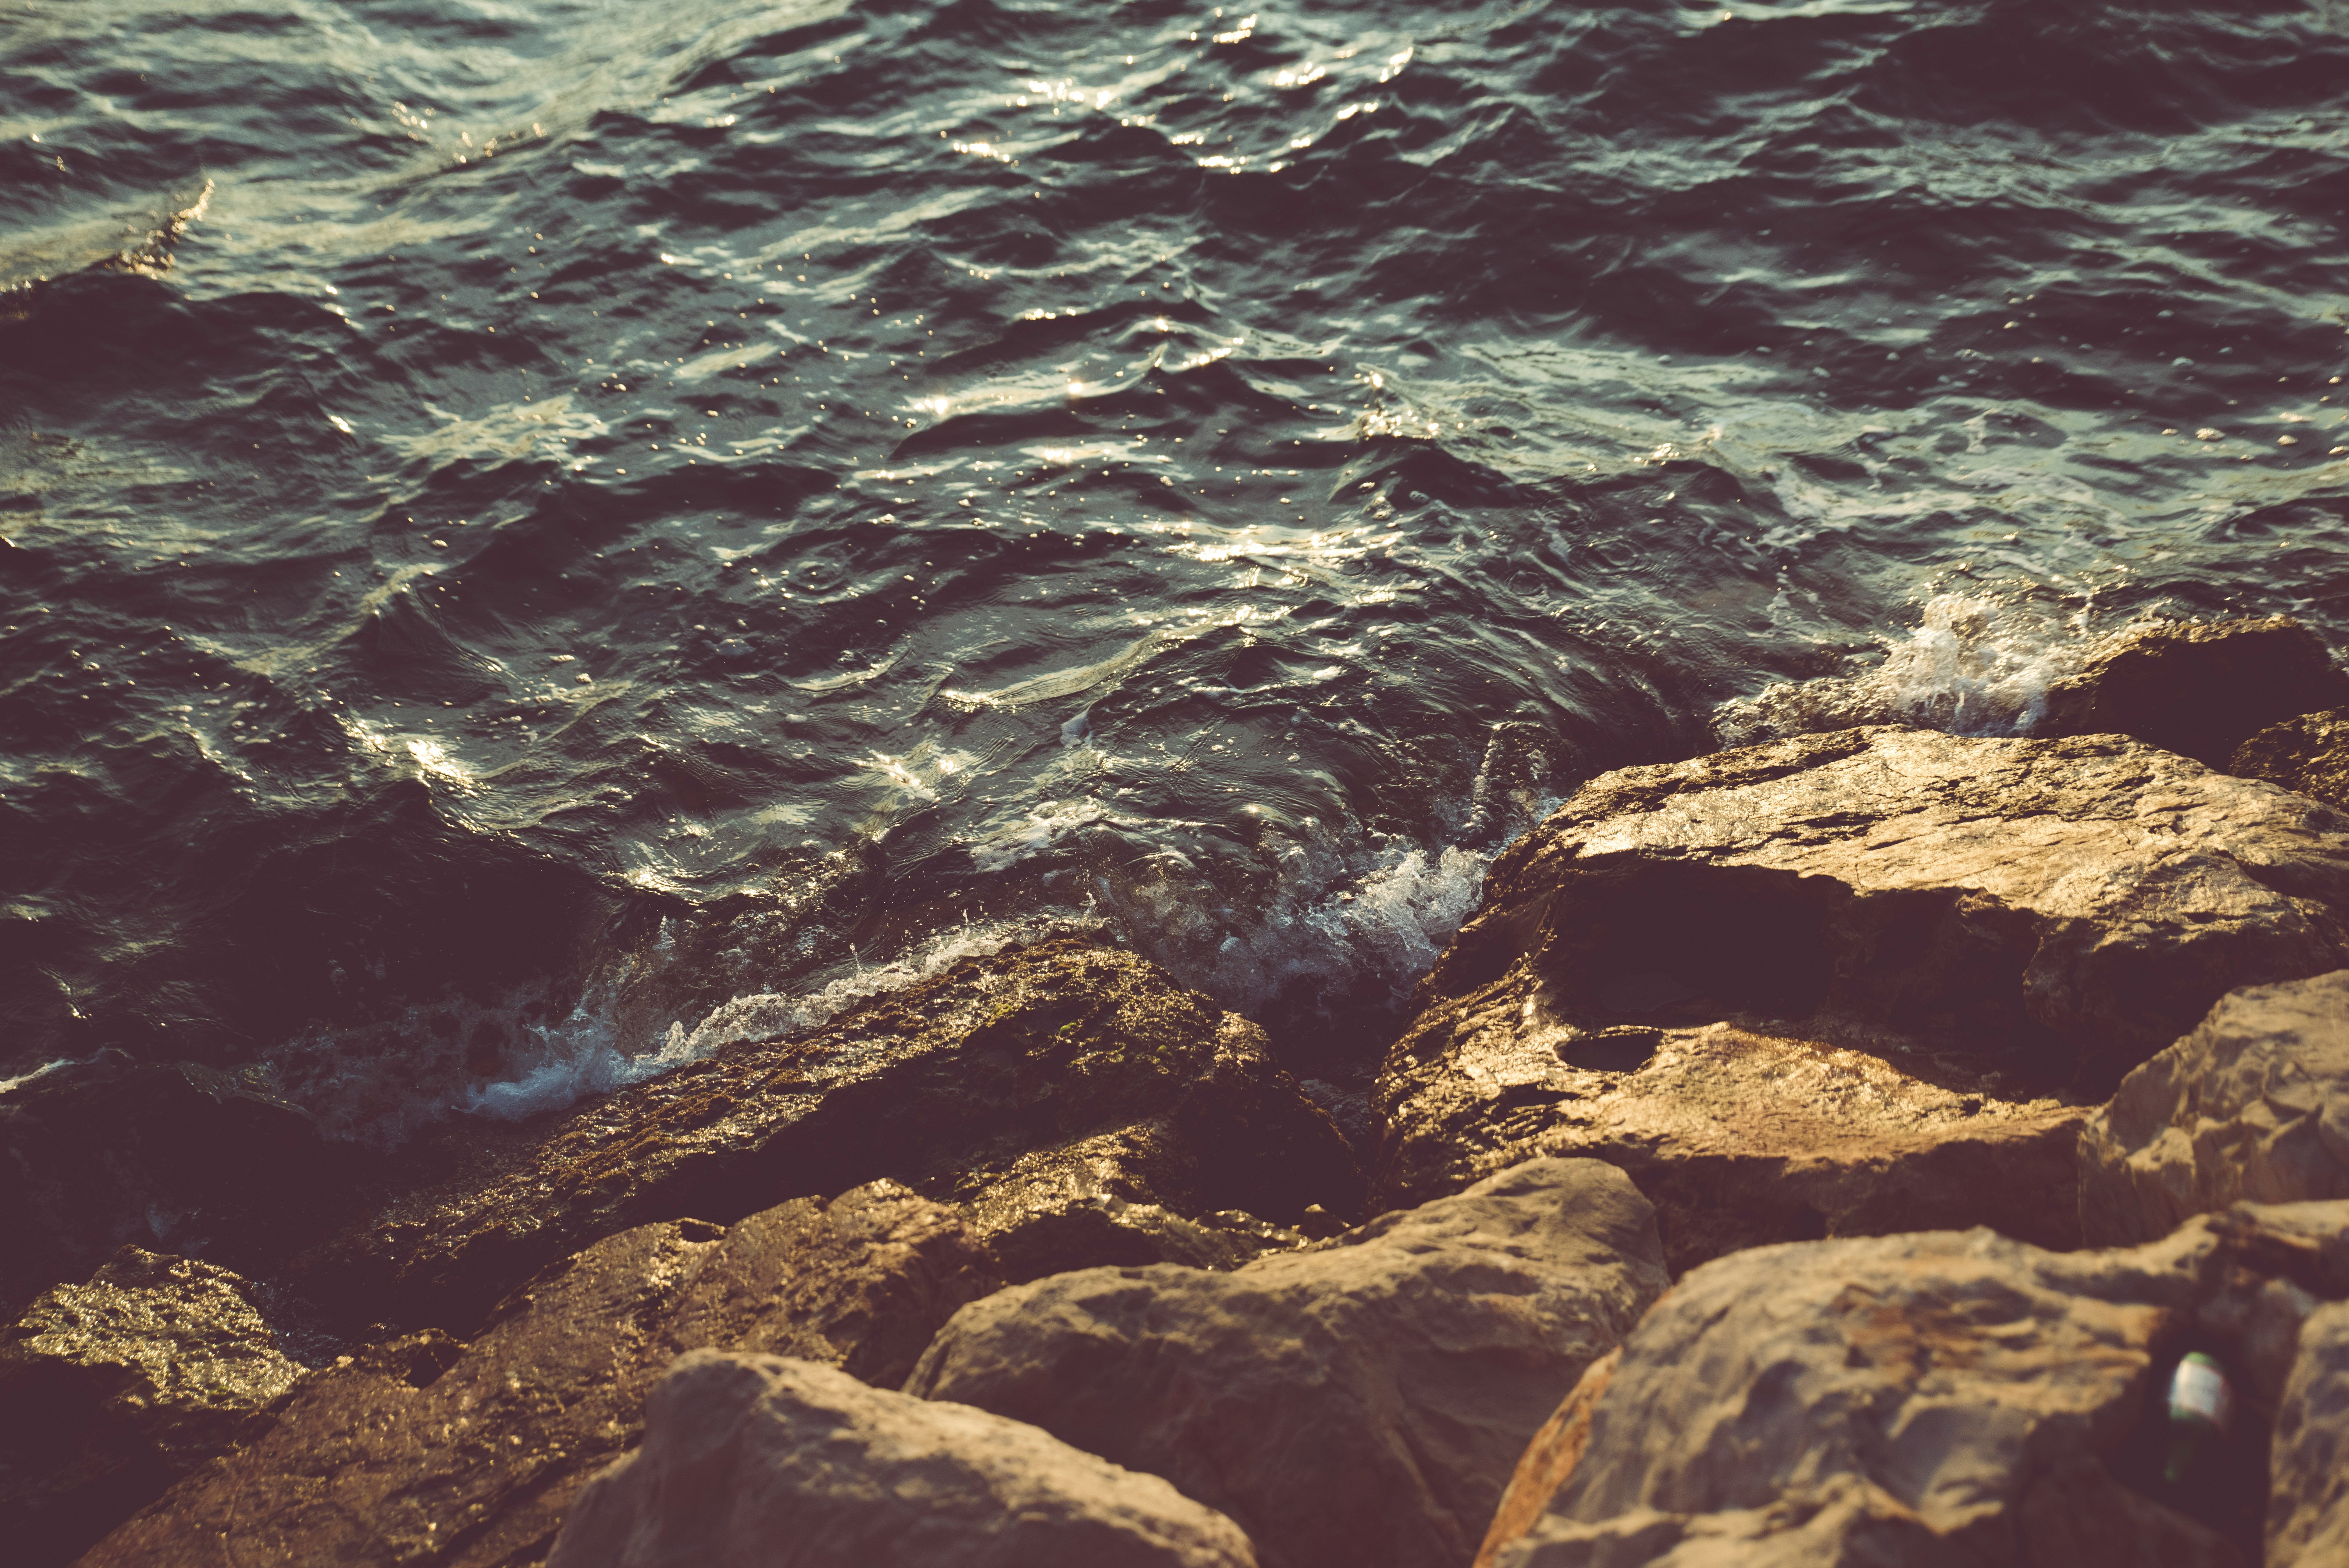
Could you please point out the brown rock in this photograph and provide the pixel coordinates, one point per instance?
(1355, 1406)
(2308, 754)
(756, 1462)
(2195, 687)
(2307, 1466)
(426, 1451)
(1085, 1069)
(1850, 982)
(2251, 1106)
(1944, 1398)
(112, 1390)
(1549, 1460)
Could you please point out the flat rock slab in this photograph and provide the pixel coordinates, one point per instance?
(2252, 1106)
(425, 1450)
(1742, 1138)
(757, 1461)
(1937, 1399)
(1083, 1064)
(112, 1390)
(2195, 688)
(1354, 1406)
(2003, 927)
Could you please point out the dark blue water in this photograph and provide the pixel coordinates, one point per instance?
(538, 536)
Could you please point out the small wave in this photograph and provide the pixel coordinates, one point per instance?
(1375, 916)
(767, 1014)
(1972, 666)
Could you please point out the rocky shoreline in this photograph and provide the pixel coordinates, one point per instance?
(1814, 1152)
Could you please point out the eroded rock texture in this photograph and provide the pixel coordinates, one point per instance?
(2308, 1507)
(1052, 1089)
(1851, 983)
(2253, 1104)
(112, 1390)
(761, 1462)
(1941, 1399)
(1356, 1406)
(2197, 687)
(2308, 754)
(426, 1451)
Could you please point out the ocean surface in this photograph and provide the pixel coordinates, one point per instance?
(540, 536)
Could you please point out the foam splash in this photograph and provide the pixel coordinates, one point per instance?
(44, 1070)
(1971, 667)
(1380, 917)
(579, 1061)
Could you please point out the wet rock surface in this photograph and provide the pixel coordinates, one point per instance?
(1948, 1398)
(2308, 754)
(1080, 1070)
(112, 1389)
(426, 1450)
(1850, 982)
(2200, 689)
(764, 1462)
(2253, 1104)
(1359, 1404)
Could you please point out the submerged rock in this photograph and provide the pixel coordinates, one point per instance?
(424, 1451)
(1082, 1072)
(1355, 1406)
(2308, 754)
(103, 1154)
(112, 1390)
(2253, 1104)
(2197, 687)
(1952, 1398)
(762, 1462)
(1850, 982)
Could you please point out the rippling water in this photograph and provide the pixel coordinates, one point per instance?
(538, 536)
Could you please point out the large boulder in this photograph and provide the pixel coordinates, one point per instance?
(762, 1462)
(112, 1390)
(2253, 1105)
(2195, 688)
(426, 1451)
(1850, 983)
(1354, 1406)
(2308, 754)
(2308, 1465)
(1084, 1065)
(1940, 1399)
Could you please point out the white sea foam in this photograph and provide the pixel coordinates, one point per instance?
(1381, 915)
(1970, 667)
(21, 1080)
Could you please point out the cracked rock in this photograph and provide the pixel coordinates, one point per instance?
(1357, 1405)
(1852, 982)
(2253, 1105)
